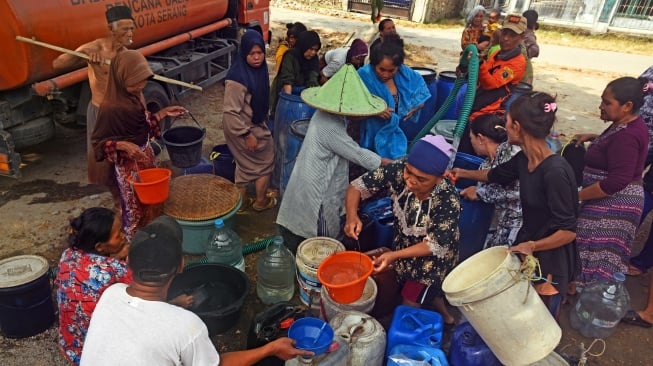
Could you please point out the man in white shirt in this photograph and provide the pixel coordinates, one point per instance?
(134, 325)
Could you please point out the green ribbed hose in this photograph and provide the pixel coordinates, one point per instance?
(470, 59)
(247, 249)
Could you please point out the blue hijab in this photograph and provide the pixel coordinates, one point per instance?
(256, 80)
(385, 137)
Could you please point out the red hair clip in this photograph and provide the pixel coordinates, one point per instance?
(550, 107)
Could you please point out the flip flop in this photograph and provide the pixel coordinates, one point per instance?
(633, 318)
(272, 201)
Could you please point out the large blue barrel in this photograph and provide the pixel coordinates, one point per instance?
(519, 90)
(410, 128)
(475, 216)
(290, 108)
(294, 142)
(445, 83)
(468, 349)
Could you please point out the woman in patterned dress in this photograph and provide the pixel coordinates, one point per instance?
(612, 195)
(93, 262)
(488, 137)
(426, 207)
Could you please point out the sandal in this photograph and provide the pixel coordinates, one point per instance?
(633, 318)
(249, 202)
(272, 201)
(634, 271)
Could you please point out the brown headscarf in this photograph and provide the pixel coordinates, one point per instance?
(121, 116)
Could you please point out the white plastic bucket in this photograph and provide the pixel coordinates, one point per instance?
(365, 304)
(504, 309)
(364, 334)
(310, 253)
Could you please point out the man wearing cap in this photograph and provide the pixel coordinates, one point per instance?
(134, 325)
(121, 31)
(313, 199)
(499, 75)
(426, 211)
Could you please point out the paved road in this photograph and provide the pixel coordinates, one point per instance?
(449, 40)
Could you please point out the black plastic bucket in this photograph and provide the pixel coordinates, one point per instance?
(226, 289)
(184, 144)
(26, 306)
(224, 164)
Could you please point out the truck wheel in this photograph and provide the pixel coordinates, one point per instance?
(155, 99)
(33, 132)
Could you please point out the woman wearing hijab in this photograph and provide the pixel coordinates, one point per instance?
(123, 129)
(300, 67)
(404, 91)
(246, 104)
(336, 58)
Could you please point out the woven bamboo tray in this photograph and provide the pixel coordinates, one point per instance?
(200, 197)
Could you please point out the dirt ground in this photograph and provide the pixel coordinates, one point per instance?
(34, 210)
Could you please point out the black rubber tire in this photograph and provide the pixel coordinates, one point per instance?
(155, 99)
(33, 132)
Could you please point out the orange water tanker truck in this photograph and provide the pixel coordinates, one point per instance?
(188, 40)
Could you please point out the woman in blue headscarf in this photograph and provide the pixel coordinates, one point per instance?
(246, 103)
(403, 90)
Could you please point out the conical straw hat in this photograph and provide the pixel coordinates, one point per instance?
(344, 94)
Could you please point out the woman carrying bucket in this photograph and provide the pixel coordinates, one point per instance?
(548, 195)
(426, 208)
(123, 130)
(488, 138)
(246, 103)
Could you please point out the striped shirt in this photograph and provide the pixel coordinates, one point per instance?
(320, 178)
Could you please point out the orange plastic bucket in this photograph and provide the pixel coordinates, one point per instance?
(344, 274)
(154, 185)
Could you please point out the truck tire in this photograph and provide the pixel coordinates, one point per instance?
(155, 99)
(33, 132)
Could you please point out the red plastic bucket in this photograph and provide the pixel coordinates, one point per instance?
(344, 274)
(154, 185)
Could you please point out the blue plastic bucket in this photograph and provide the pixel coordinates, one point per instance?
(410, 128)
(445, 84)
(467, 348)
(290, 108)
(26, 306)
(296, 135)
(224, 164)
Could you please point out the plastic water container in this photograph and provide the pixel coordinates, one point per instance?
(408, 354)
(381, 230)
(225, 246)
(204, 167)
(415, 326)
(469, 349)
(600, 307)
(276, 273)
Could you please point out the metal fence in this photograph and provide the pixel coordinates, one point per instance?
(631, 16)
(395, 8)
